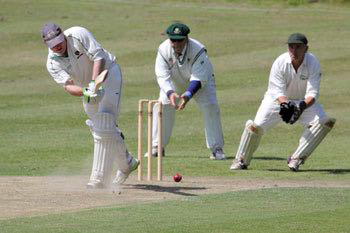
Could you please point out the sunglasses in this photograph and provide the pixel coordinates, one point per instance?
(177, 40)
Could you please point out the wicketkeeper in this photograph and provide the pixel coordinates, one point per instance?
(75, 60)
(293, 90)
(184, 71)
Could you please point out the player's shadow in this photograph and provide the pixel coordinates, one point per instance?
(207, 157)
(330, 171)
(269, 158)
(178, 190)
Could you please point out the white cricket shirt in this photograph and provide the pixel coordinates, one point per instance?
(285, 81)
(83, 50)
(175, 73)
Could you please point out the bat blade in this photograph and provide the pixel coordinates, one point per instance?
(100, 79)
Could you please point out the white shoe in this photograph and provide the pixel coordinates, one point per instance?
(238, 165)
(294, 164)
(121, 176)
(218, 154)
(95, 184)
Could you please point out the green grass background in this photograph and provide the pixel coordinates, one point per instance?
(271, 210)
(42, 129)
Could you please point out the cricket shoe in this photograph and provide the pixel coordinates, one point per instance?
(95, 184)
(121, 176)
(294, 164)
(238, 165)
(155, 152)
(218, 154)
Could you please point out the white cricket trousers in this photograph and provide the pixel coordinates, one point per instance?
(207, 102)
(268, 114)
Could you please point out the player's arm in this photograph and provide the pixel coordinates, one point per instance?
(79, 91)
(62, 78)
(277, 82)
(96, 54)
(97, 68)
(277, 90)
(94, 51)
(313, 84)
(201, 72)
(73, 89)
(163, 73)
(192, 89)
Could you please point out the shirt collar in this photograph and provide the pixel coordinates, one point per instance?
(57, 54)
(182, 53)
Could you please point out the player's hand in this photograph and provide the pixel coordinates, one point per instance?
(184, 101)
(174, 98)
(92, 97)
(92, 86)
(287, 111)
(298, 110)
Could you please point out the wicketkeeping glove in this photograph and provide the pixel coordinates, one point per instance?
(92, 97)
(298, 110)
(287, 111)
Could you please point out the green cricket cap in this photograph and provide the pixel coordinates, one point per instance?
(297, 38)
(177, 31)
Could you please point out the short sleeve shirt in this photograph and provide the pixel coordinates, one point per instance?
(83, 50)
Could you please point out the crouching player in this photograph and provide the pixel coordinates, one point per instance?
(292, 94)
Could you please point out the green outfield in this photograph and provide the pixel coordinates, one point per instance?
(43, 131)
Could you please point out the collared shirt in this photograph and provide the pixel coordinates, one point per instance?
(175, 73)
(295, 85)
(182, 55)
(83, 50)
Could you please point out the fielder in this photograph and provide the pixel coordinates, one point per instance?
(183, 72)
(293, 90)
(75, 60)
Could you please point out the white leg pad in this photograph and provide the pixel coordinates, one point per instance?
(109, 146)
(249, 142)
(312, 137)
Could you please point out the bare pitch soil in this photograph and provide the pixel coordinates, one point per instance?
(33, 196)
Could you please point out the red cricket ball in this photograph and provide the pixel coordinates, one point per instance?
(177, 177)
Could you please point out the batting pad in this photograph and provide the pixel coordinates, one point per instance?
(312, 137)
(249, 142)
(109, 146)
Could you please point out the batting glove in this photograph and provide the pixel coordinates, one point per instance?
(92, 97)
(92, 86)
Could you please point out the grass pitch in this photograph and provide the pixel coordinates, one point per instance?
(43, 131)
(267, 210)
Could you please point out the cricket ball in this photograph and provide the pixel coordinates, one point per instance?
(177, 177)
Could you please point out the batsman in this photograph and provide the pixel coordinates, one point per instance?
(292, 96)
(78, 63)
(183, 72)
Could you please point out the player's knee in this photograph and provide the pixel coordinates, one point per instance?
(330, 122)
(250, 125)
(326, 122)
